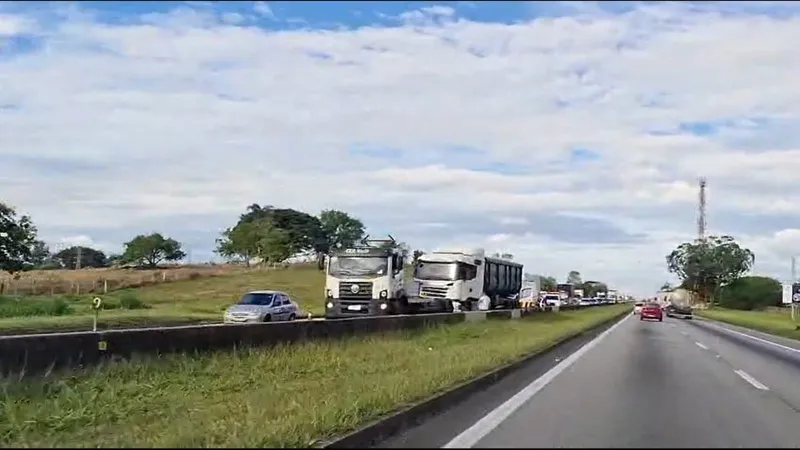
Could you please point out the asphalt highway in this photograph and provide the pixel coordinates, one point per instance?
(639, 384)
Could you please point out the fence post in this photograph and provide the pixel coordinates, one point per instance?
(164, 276)
(105, 286)
(33, 286)
(78, 288)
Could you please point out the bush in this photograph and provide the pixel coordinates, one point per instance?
(748, 293)
(28, 307)
(130, 300)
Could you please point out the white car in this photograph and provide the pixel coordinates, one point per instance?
(637, 307)
(262, 306)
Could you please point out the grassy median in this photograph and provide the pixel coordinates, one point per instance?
(289, 396)
(778, 323)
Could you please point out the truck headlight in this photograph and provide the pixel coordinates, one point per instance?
(329, 293)
(330, 305)
(384, 293)
(384, 306)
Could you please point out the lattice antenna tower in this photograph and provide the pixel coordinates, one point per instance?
(701, 211)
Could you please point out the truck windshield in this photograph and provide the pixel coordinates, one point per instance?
(435, 271)
(357, 266)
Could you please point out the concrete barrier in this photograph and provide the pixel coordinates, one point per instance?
(42, 352)
(39, 353)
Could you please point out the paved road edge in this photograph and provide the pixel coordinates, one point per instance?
(399, 421)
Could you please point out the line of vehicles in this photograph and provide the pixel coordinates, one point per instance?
(370, 280)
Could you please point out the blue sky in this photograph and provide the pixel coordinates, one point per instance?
(568, 133)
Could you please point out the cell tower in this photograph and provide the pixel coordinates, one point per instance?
(701, 211)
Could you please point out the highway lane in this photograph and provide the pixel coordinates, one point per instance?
(644, 384)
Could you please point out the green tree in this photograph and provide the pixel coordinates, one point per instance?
(271, 243)
(40, 253)
(89, 257)
(574, 278)
(706, 265)
(547, 283)
(238, 242)
(304, 230)
(150, 250)
(666, 287)
(750, 293)
(416, 255)
(340, 229)
(591, 288)
(17, 240)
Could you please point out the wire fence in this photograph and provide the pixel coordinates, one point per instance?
(101, 281)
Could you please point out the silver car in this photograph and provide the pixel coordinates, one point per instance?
(262, 306)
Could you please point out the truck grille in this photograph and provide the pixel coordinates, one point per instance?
(364, 290)
(433, 292)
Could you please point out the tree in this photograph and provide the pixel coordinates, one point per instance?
(416, 255)
(547, 283)
(304, 230)
(666, 287)
(40, 253)
(271, 243)
(753, 292)
(574, 278)
(708, 264)
(89, 257)
(149, 250)
(592, 288)
(17, 240)
(507, 256)
(340, 229)
(259, 238)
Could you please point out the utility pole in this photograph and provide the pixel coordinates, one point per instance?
(794, 269)
(701, 213)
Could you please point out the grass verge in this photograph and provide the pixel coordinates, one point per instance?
(288, 396)
(778, 323)
(180, 302)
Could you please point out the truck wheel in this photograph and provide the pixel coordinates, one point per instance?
(267, 318)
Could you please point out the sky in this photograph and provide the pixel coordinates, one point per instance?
(570, 134)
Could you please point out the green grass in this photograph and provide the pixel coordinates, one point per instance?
(189, 301)
(778, 323)
(288, 396)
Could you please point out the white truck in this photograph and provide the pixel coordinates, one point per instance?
(365, 280)
(465, 278)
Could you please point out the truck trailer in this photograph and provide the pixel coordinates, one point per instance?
(679, 304)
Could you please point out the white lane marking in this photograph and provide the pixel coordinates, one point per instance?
(493, 419)
(684, 333)
(754, 338)
(746, 377)
(700, 344)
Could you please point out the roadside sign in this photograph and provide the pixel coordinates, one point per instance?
(796, 293)
(786, 297)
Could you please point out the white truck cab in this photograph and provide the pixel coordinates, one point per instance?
(463, 279)
(364, 281)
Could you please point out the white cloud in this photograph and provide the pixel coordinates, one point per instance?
(129, 126)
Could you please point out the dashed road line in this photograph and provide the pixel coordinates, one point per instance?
(700, 344)
(755, 383)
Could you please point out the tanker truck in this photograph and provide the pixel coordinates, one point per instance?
(679, 304)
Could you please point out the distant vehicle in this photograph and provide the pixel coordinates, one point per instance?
(637, 307)
(679, 304)
(529, 297)
(651, 311)
(262, 306)
(552, 300)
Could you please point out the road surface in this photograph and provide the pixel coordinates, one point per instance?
(640, 384)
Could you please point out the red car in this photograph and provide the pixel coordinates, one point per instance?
(651, 311)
